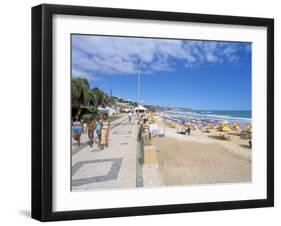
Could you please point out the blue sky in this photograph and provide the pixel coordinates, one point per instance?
(205, 75)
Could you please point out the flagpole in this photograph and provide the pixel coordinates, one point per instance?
(139, 90)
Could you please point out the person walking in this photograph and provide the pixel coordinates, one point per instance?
(250, 143)
(130, 117)
(105, 131)
(77, 129)
(188, 130)
(90, 128)
(98, 128)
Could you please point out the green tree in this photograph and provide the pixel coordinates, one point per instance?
(108, 100)
(98, 97)
(80, 92)
(90, 99)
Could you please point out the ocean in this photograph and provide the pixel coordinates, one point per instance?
(240, 115)
(237, 116)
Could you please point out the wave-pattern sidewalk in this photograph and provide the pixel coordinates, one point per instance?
(112, 167)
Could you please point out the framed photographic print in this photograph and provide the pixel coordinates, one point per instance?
(145, 112)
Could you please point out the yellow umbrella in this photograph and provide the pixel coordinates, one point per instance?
(248, 126)
(225, 129)
(236, 126)
(220, 126)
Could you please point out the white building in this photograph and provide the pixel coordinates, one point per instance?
(110, 111)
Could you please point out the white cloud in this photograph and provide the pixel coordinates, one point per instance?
(120, 55)
(82, 73)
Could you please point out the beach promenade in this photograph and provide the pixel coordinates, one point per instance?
(114, 166)
(201, 158)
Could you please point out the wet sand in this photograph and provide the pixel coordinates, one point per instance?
(202, 159)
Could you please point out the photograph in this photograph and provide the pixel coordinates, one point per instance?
(145, 112)
(150, 112)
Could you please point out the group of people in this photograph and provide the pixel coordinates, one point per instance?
(143, 124)
(100, 126)
(184, 129)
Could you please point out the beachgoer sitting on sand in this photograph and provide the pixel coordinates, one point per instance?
(181, 130)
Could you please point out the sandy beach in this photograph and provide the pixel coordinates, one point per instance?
(202, 158)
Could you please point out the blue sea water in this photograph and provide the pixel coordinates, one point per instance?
(232, 116)
(226, 114)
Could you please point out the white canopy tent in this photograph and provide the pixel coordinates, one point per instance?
(140, 108)
(110, 111)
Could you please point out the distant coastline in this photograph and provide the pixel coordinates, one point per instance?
(216, 114)
(181, 113)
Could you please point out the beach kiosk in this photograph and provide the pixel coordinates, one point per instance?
(140, 109)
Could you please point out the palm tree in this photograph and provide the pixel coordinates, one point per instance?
(107, 100)
(97, 96)
(80, 92)
(84, 97)
(100, 98)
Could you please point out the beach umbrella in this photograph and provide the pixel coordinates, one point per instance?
(220, 126)
(248, 126)
(225, 129)
(236, 126)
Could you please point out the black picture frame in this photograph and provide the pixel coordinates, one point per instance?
(42, 111)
